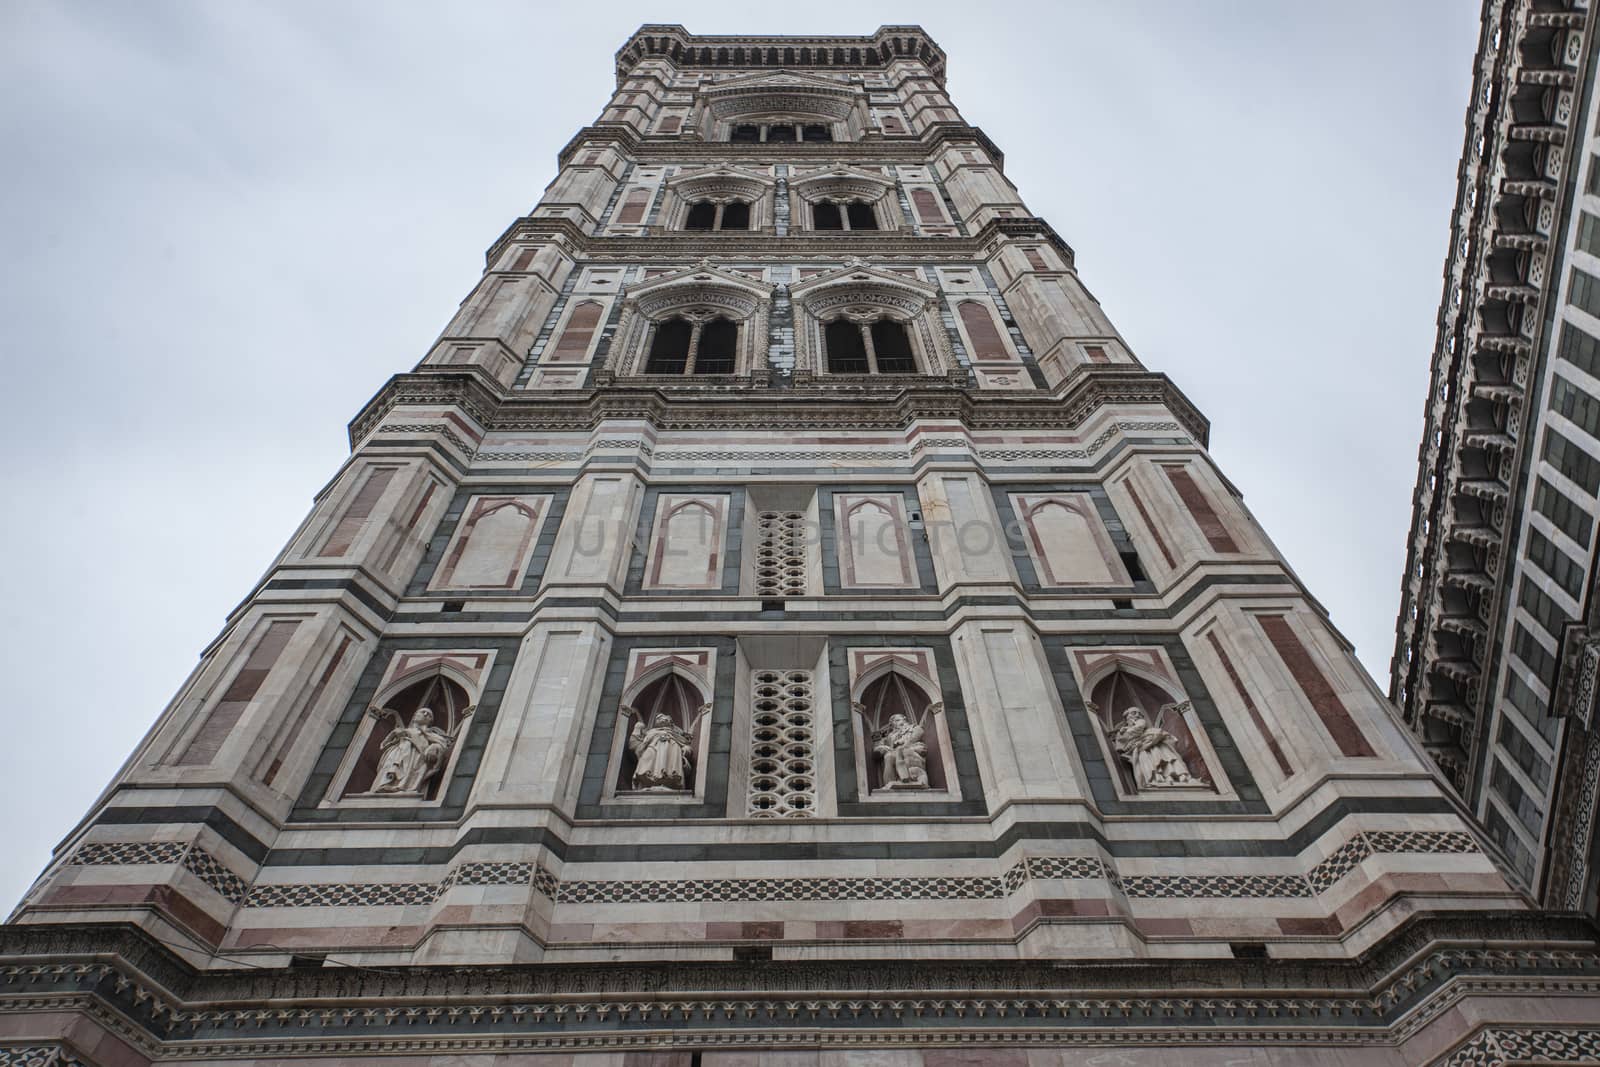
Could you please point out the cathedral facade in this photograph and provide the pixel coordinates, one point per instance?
(1498, 643)
(781, 621)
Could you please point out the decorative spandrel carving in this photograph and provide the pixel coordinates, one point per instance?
(1151, 751)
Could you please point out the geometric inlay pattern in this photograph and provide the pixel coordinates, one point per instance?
(645, 891)
(1504, 1046)
(342, 895)
(124, 853)
(783, 778)
(205, 867)
(731, 889)
(39, 1056)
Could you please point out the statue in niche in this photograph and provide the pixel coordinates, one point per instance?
(412, 754)
(904, 754)
(662, 752)
(1151, 751)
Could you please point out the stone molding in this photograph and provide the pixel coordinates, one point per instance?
(122, 979)
(236, 890)
(860, 404)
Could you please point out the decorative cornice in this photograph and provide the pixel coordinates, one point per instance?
(687, 51)
(868, 404)
(111, 971)
(1476, 419)
(747, 247)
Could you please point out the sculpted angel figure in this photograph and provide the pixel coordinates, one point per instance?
(662, 753)
(1151, 751)
(900, 746)
(412, 754)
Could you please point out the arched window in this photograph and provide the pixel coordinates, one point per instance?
(847, 351)
(853, 215)
(682, 347)
(901, 738)
(702, 216)
(780, 134)
(892, 347)
(669, 348)
(658, 765)
(881, 347)
(718, 348)
(860, 216)
(708, 215)
(745, 133)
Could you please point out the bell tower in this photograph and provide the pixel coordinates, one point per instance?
(780, 620)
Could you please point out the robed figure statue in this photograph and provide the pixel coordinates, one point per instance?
(904, 754)
(661, 754)
(412, 754)
(1151, 751)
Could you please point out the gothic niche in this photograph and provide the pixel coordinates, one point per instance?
(663, 737)
(412, 736)
(1149, 735)
(897, 719)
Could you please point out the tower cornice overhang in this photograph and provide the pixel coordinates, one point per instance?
(159, 1004)
(754, 406)
(675, 45)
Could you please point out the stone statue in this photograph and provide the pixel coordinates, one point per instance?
(662, 752)
(899, 745)
(412, 754)
(1151, 751)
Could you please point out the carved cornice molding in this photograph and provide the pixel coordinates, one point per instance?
(863, 404)
(746, 247)
(117, 971)
(1476, 423)
(870, 54)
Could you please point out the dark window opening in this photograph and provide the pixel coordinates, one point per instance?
(1130, 563)
(669, 349)
(861, 216)
(719, 345)
(847, 352)
(702, 216)
(1121, 604)
(825, 216)
(746, 133)
(892, 345)
(780, 135)
(818, 133)
(735, 216)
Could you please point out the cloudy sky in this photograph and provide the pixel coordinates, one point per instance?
(227, 223)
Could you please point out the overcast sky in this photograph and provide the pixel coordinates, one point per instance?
(225, 224)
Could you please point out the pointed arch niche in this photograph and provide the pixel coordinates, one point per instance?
(675, 683)
(1113, 681)
(887, 684)
(449, 685)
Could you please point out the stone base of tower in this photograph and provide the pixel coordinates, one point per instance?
(1458, 988)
